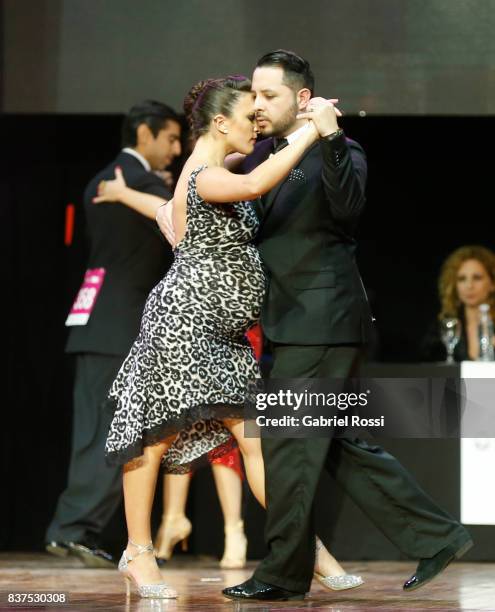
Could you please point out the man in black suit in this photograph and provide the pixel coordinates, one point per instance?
(124, 242)
(317, 316)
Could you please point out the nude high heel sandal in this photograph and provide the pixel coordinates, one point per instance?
(234, 556)
(173, 529)
(154, 591)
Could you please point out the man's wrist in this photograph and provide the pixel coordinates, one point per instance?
(334, 135)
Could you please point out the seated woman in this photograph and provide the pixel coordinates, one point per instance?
(467, 279)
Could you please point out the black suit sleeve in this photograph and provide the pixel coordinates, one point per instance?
(153, 185)
(344, 177)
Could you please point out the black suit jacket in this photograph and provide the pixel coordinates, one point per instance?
(134, 254)
(306, 239)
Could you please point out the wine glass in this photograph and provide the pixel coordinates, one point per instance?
(450, 330)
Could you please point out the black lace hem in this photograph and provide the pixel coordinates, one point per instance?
(155, 435)
(202, 460)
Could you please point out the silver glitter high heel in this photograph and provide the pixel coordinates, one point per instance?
(336, 583)
(339, 583)
(155, 591)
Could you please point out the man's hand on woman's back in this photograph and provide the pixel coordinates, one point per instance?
(164, 221)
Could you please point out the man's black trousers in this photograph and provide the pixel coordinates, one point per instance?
(373, 478)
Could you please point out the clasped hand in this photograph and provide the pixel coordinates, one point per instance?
(323, 114)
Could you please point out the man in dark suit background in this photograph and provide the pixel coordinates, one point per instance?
(317, 316)
(134, 256)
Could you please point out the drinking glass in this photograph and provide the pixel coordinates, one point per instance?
(450, 330)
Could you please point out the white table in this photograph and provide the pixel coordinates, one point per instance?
(477, 454)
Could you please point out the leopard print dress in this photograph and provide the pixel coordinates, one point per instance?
(191, 363)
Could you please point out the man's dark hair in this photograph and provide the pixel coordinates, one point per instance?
(154, 114)
(297, 71)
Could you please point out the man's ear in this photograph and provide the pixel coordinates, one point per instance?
(221, 123)
(144, 134)
(303, 97)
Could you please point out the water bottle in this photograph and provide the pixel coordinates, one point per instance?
(486, 334)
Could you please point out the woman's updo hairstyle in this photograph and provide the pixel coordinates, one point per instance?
(213, 97)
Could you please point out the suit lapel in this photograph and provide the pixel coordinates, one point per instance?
(260, 154)
(269, 198)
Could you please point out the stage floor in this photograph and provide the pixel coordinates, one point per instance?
(463, 586)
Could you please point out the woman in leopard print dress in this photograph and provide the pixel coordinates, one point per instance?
(180, 392)
(191, 363)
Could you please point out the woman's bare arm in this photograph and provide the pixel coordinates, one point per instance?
(220, 185)
(146, 204)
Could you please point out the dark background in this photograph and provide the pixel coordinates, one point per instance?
(422, 71)
(429, 186)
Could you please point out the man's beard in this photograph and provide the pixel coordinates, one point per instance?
(284, 124)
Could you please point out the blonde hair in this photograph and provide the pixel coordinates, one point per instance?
(451, 306)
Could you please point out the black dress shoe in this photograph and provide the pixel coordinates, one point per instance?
(255, 589)
(92, 555)
(429, 568)
(87, 551)
(59, 549)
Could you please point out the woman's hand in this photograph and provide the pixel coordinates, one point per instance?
(111, 191)
(323, 114)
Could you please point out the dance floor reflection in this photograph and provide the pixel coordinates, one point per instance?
(463, 586)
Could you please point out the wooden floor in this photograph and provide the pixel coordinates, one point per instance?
(463, 586)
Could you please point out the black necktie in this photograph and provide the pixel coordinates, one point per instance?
(279, 144)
